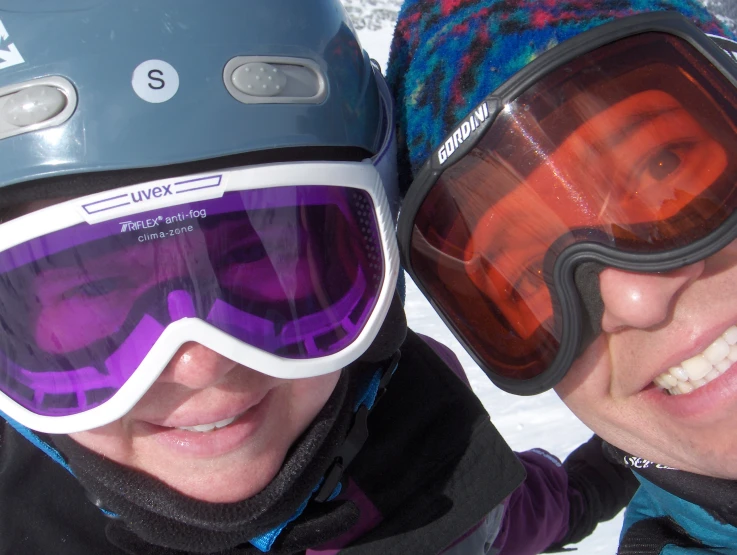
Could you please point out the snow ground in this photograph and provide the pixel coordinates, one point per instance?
(525, 422)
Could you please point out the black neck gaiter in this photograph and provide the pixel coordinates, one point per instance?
(153, 515)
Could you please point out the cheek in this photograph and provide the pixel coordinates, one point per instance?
(111, 440)
(587, 389)
(724, 265)
(589, 376)
(308, 396)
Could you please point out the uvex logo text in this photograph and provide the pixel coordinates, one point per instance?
(152, 192)
(106, 205)
(471, 123)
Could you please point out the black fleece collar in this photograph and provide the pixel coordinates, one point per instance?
(152, 512)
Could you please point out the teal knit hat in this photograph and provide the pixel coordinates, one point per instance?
(447, 55)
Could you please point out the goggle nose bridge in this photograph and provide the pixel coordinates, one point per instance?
(575, 278)
(586, 278)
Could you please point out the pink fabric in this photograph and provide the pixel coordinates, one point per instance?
(370, 517)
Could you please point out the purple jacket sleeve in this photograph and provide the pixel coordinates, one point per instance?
(537, 512)
(448, 356)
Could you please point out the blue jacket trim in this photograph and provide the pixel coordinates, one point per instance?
(265, 541)
(38, 442)
(650, 501)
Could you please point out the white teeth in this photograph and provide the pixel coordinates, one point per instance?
(713, 375)
(723, 366)
(697, 367)
(207, 427)
(679, 373)
(699, 370)
(717, 351)
(730, 336)
(684, 387)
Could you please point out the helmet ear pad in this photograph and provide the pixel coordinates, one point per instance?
(391, 335)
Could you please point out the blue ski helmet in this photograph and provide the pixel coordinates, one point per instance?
(97, 85)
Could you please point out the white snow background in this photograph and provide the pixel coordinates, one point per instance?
(525, 422)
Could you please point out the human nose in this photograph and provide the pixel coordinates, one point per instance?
(196, 367)
(642, 300)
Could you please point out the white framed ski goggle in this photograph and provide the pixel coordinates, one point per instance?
(286, 268)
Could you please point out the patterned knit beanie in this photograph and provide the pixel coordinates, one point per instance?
(447, 55)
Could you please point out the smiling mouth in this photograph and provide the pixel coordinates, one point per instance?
(700, 369)
(209, 427)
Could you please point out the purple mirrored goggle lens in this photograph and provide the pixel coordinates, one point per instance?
(294, 271)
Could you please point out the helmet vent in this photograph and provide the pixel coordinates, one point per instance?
(274, 80)
(35, 105)
(260, 79)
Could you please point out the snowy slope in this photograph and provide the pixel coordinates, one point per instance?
(526, 422)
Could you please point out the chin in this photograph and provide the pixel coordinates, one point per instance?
(717, 465)
(230, 484)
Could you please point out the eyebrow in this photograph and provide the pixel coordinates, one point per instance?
(638, 121)
(505, 242)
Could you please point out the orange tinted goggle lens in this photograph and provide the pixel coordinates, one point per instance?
(631, 146)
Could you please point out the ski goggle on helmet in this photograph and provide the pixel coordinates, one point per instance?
(616, 148)
(286, 267)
